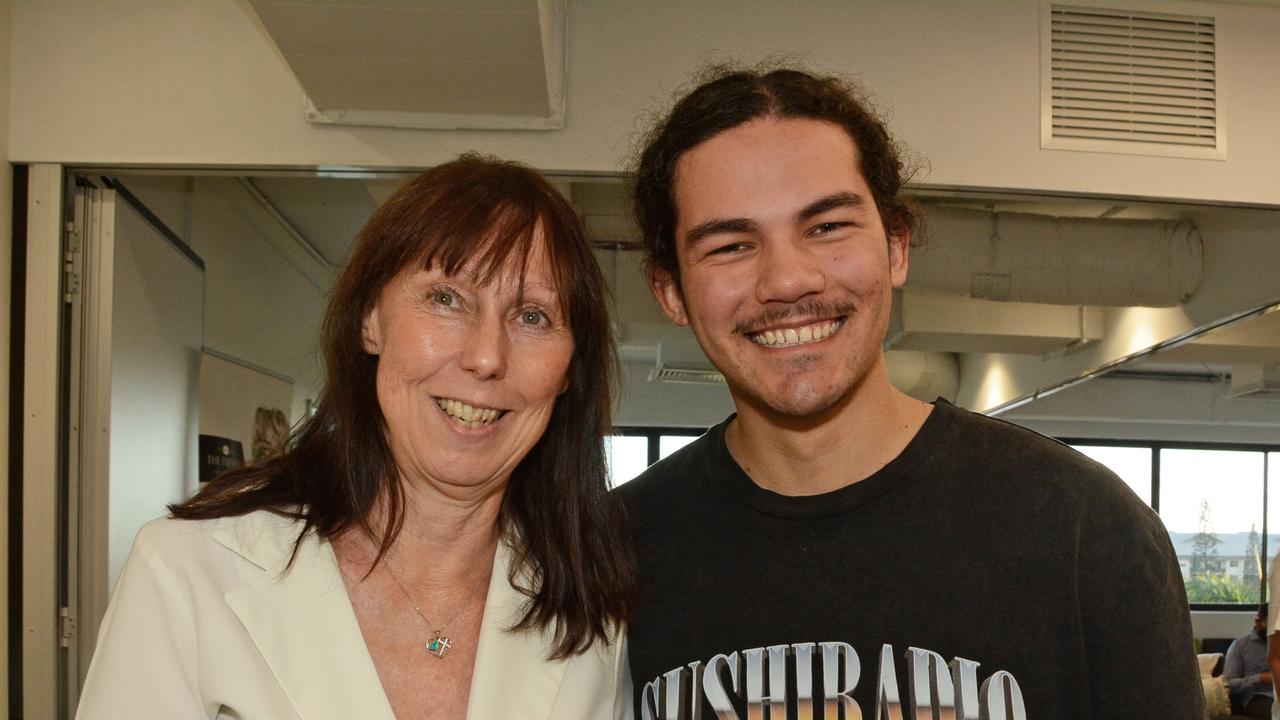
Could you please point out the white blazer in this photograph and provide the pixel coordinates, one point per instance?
(204, 623)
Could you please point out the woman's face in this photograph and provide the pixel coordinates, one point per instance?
(468, 373)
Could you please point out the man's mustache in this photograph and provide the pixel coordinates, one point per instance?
(808, 310)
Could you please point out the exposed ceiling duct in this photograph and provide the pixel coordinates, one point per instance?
(1061, 261)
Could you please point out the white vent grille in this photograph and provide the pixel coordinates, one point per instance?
(1125, 81)
(691, 376)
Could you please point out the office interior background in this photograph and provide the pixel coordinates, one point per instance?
(1101, 260)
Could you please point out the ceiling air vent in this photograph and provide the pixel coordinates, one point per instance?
(691, 376)
(1118, 80)
(691, 373)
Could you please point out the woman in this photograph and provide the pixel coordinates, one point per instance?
(439, 542)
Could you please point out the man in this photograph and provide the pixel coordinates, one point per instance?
(1248, 673)
(837, 548)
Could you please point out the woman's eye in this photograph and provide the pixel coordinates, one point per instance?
(442, 297)
(533, 317)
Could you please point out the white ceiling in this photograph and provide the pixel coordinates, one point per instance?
(327, 213)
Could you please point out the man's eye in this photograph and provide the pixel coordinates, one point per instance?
(442, 297)
(728, 248)
(827, 227)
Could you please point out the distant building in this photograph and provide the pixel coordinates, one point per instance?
(1232, 551)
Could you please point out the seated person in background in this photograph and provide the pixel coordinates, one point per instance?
(1247, 672)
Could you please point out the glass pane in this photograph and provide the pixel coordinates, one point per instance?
(1211, 503)
(628, 456)
(668, 444)
(1132, 464)
(1273, 508)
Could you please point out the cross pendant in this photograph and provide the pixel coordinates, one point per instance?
(439, 645)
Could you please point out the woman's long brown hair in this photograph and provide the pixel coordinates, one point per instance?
(567, 529)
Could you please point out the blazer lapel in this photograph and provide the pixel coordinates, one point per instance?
(302, 621)
(513, 680)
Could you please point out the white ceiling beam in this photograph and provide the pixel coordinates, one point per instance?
(923, 320)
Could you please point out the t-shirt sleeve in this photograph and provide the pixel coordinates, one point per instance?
(1273, 595)
(1133, 607)
(144, 665)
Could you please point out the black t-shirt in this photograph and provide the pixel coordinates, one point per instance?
(983, 546)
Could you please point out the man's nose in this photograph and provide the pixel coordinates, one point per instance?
(788, 272)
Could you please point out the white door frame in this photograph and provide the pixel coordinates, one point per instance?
(91, 250)
(40, 452)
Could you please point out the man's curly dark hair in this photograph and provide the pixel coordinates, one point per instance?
(730, 97)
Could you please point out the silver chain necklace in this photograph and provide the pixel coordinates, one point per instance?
(439, 643)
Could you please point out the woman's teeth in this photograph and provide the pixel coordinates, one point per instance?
(466, 415)
(797, 336)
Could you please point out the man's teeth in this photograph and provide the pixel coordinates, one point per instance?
(466, 415)
(797, 336)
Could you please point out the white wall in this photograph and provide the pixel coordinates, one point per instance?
(6, 249)
(260, 305)
(1222, 624)
(264, 295)
(157, 297)
(168, 197)
(199, 82)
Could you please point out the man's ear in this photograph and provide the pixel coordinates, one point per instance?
(666, 290)
(371, 333)
(899, 250)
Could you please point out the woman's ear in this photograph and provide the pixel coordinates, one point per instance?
(371, 333)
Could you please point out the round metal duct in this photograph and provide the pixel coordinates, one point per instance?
(1063, 261)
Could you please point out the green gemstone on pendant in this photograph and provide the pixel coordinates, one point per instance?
(439, 645)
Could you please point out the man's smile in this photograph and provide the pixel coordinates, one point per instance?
(780, 337)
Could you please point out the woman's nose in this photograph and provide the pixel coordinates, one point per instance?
(484, 353)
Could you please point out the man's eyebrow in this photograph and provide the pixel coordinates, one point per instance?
(704, 230)
(831, 202)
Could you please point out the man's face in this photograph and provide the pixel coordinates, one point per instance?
(786, 273)
(1260, 625)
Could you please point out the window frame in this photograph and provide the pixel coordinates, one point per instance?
(1156, 446)
(654, 435)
